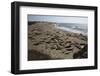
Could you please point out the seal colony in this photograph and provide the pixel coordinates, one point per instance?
(46, 42)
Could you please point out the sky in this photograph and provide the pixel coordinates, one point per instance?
(59, 19)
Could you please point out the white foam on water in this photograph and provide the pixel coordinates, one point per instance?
(70, 30)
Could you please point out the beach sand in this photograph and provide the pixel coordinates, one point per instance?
(46, 42)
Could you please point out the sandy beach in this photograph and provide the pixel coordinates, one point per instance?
(46, 42)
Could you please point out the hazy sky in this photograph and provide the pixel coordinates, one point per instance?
(59, 19)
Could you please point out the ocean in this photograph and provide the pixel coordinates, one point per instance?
(73, 27)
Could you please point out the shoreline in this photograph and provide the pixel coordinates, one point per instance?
(53, 43)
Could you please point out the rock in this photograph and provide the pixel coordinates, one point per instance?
(82, 53)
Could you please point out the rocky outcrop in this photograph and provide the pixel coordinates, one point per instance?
(82, 53)
(45, 41)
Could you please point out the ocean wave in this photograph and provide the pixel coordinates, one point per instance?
(74, 30)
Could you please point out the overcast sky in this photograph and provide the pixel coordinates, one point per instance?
(59, 19)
